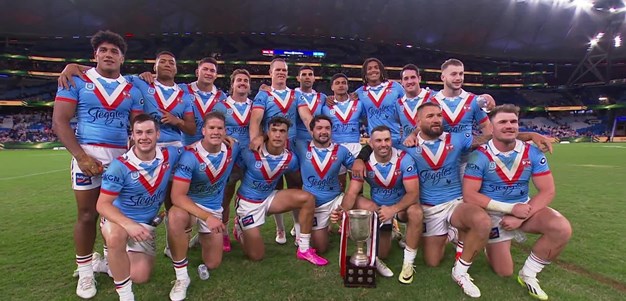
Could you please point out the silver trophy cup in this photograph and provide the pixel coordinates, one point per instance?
(360, 231)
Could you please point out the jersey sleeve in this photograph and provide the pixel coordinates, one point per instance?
(294, 165)
(113, 179)
(477, 164)
(539, 162)
(260, 100)
(184, 170)
(68, 95)
(137, 97)
(223, 96)
(467, 140)
(323, 98)
(348, 158)
(300, 99)
(398, 88)
(409, 171)
(188, 101)
(479, 115)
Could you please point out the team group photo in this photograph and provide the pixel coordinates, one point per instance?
(289, 177)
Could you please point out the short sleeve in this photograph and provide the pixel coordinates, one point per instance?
(184, 170)
(113, 179)
(476, 166)
(539, 162)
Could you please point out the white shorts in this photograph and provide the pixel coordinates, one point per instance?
(171, 143)
(354, 148)
(252, 214)
(147, 246)
(497, 233)
(202, 226)
(321, 218)
(106, 155)
(437, 218)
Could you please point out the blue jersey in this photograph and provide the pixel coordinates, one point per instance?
(380, 106)
(314, 102)
(237, 119)
(103, 108)
(460, 112)
(206, 173)
(279, 103)
(438, 163)
(140, 187)
(262, 172)
(202, 103)
(407, 111)
(320, 170)
(506, 177)
(172, 99)
(386, 180)
(346, 116)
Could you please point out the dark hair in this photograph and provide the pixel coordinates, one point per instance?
(317, 118)
(235, 73)
(336, 76)
(278, 59)
(305, 67)
(451, 62)
(214, 115)
(505, 108)
(410, 67)
(426, 105)
(165, 52)
(209, 60)
(108, 36)
(143, 117)
(383, 75)
(380, 128)
(277, 120)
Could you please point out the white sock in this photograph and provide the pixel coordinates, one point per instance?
(297, 227)
(304, 242)
(533, 265)
(84, 265)
(461, 267)
(409, 256)
(280, 223)
(105, 251)
(180, 267)
(124, 288)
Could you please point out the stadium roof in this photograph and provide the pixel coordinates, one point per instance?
(555, 30)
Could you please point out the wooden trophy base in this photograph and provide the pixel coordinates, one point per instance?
(359, 276)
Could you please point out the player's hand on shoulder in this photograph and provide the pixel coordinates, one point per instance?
(138, 232)
(89, 166)
(410, 141)
(542, 142)
(358, 169)
(169, 118)
(265, 88)
(230, 141)
(256, 143)
(330, 101)
(354, 96)
(521, 210)
(65, 79)
(148, 77)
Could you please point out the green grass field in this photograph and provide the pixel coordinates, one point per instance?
(37, 256)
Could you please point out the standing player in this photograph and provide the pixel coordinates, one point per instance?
(345, 115)
(198, 191)
(103, 102)
(236, 108)
(413, 97)
(320, 163)
(311, 100)
(279, 101)
(133, 189)
(498, 178)
(394, 184)
(257, 197)
(205, 95)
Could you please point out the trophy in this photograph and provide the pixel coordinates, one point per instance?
(359, 270)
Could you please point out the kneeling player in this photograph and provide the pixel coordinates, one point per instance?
(133, 189)
(392, 176)
(197, 191)
(497, 178)
(257, 197)
(320, 161)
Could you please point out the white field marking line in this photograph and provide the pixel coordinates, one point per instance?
(613, 146)
(593, 165)
(34, 174)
